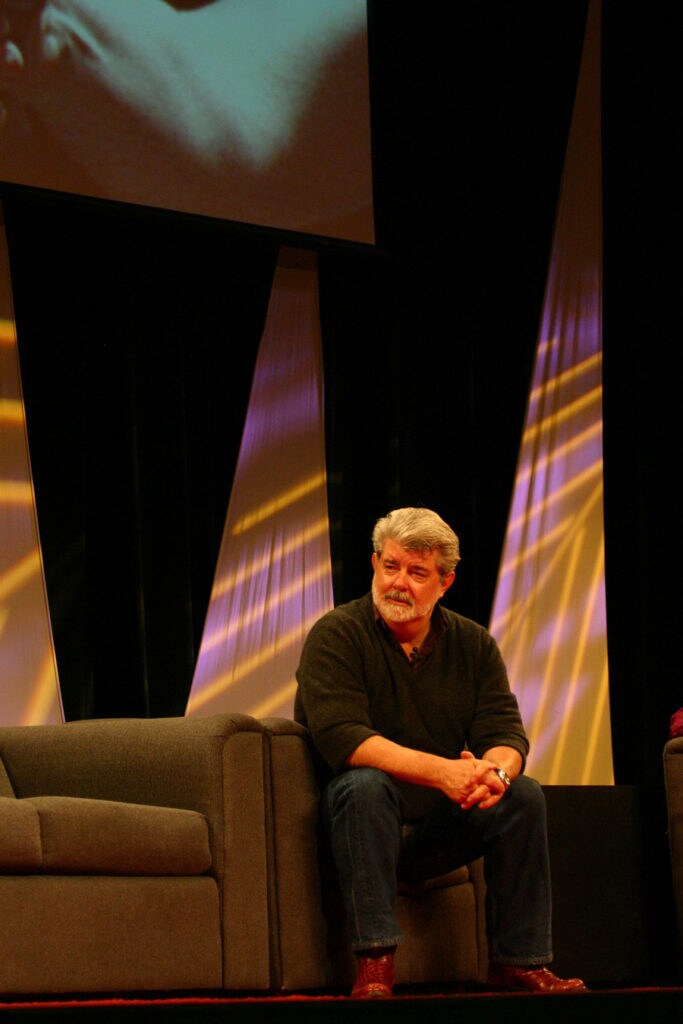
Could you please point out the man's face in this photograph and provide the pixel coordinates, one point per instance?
(407, 584)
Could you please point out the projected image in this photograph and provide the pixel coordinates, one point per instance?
(250, 110)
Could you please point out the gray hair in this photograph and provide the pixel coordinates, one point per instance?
(419, 529)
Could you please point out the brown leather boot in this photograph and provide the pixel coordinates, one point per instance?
(375, 978)
(530, 979)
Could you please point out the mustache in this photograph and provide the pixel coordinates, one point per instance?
(397, 595)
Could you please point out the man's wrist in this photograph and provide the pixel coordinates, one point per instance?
(503, 776)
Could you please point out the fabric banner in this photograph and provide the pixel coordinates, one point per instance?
(273, 578)
(549, 610)
(29, 692)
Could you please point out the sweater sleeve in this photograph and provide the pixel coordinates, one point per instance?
(496, 720)
(332, 701)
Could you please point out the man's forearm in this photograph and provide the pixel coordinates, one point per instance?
(402, 763)
(507, 758)
(456, 777)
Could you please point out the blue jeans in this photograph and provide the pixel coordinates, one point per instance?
(362, 810)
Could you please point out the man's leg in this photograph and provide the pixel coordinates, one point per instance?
(362, 812)
(512, 838)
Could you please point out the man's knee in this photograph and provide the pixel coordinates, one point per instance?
(369, 787)
(527, 797)
(529, 790)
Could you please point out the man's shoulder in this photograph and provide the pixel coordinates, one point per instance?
(454, 620)
(466, 630)
(353, 614)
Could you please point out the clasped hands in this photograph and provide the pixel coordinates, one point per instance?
(473, 782)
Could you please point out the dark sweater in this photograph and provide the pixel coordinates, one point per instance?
(355, 681)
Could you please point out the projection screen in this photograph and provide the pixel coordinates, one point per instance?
(255, 111)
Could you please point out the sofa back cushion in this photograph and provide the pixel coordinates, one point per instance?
(6, 788)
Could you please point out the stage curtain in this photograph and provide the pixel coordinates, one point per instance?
(29, 690)
(273, 577)
(549, 609)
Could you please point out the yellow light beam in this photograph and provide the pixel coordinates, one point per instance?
(276, 504)
(522, 606)
(43, 693)
(19, 574)
(8, 332)
(566, 412)
(262, 608)
(575, 483)
(298, 540)
(578, 666)
(12, 412)
(244, 667)
(16, 492)
(561, 452)
(601, 709)
(572, 373)
(530, 551)
(274, 701)
(515, 645)
(558, 628)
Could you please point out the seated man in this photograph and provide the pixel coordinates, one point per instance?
(411, 707)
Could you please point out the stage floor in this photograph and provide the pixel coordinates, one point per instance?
(597, 1006)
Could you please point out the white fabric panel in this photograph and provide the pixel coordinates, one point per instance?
(29, 686)
(549, 610)
(273, 578)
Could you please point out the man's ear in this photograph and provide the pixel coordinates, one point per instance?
(374, 559)
(447, 581)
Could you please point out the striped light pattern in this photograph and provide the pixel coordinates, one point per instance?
(273, 577)
(549, 609)
(29, 687)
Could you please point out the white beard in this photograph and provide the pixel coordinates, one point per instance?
(399, 612)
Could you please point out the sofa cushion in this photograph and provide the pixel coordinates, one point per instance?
(6, 788)
(20, 848)
(84, 836)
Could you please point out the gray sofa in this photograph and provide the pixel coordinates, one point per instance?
(183, 854)
(673, 780)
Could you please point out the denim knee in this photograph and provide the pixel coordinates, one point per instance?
(528, 793)
(372, 787)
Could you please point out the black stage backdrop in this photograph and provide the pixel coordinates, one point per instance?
(139, 330)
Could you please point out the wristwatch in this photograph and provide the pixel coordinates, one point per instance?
(503, 776)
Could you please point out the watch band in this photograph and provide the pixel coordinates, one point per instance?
(504, 777)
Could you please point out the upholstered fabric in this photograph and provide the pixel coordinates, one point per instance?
(183, 795)
(20, 845)
(108, 934)
(5, 784)
(91, 837)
